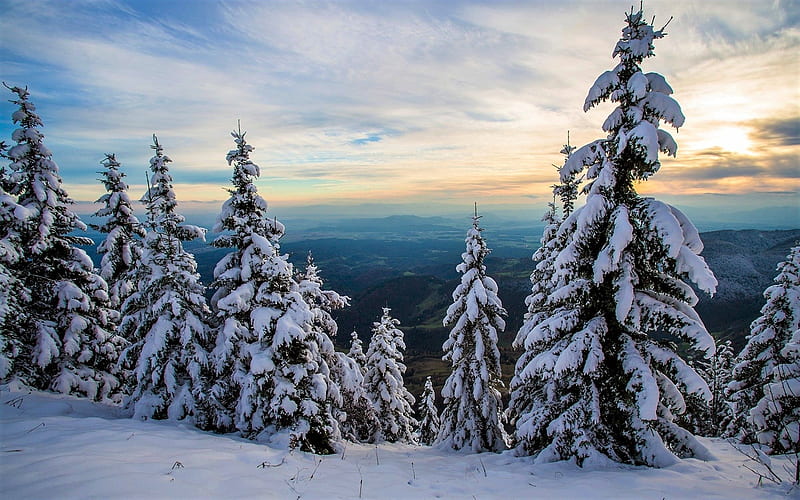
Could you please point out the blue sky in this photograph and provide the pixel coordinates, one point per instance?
(414, 106)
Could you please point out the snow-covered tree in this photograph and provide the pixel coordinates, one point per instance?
(165, 318)
(120, 251)
(384, 381)
(755, 370)
(776, 417)
(271, 374)
(356, 352)
(610, 386)
(523, 385)
(710, 418)
(68, 341)
(13, 294)
(428, 415)
(346, 392)
(472, 405)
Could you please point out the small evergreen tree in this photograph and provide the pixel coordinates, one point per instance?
(611, 388)
(271, 374)
(356, 352)
(757, 414)
(710, 418)
(66, 322)
(165, 318)
(428, 415)
(384, 382)
(472, 405)
(120, 251)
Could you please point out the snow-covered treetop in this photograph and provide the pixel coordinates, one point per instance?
(160, 197)
(244, 213)
(567, 191)
(637, 38)
(161, 201)
(310, 286)
(117, 203)
(643, 101)
(36, 179)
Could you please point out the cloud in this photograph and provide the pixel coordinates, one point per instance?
(780, 131)
(390, 100)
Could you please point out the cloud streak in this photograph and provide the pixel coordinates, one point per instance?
(394, 101)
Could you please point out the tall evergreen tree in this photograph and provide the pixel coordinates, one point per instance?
(271, 373)
(524, 384)
(428, 415)
(13, 294)
(756, 365)
(472, 405)
(384, 381)
(611, 386)
(67, 339)
(165, 318)
(120, 251)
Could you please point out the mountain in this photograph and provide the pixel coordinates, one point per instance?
(382, 262)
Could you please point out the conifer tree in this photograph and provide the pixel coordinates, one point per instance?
(428, 415)
(610, 386)
(776, 417)
(271, 373)
(384, 382)
(165, 318)
(66, 320)
(524, 384)
(120, 251)
(13, 294)
(756, 365)
(356, 352)
(472, 405)
(710, 418)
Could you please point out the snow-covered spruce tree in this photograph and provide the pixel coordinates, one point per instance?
(776, 417)
(13, 294)
(271, 374)
(710, 418)
(471, 415)
(120, 250)
(610, 385)
(69, 346)
(350, 404)
(356, 415)
(384, 382)
(165, 318)
(428, 415)
(357, 351)
(523, 384)
(756, 364)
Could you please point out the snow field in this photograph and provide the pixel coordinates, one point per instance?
(55, 446)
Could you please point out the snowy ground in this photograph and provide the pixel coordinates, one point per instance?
(61, 447)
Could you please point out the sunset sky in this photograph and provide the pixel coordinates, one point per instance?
(378, 107)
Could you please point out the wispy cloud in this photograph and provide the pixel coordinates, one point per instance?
(394, 101)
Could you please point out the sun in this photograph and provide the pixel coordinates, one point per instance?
(729, 138)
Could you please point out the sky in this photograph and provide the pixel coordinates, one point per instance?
(424, 107)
